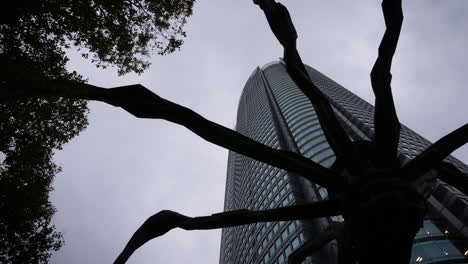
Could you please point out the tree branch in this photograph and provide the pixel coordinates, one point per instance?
(143, 103)
(164, 221)
(387, 125)
(283, 28)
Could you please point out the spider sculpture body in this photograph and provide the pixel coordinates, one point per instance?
(382, 214)
(381, 200)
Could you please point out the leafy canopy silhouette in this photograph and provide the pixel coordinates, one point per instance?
(121, 33)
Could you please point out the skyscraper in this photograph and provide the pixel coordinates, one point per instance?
(273, 111)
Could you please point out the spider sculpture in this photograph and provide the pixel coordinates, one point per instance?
(381, 200)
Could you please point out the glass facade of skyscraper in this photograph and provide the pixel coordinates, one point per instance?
(273, 111)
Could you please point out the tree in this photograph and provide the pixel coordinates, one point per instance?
(30, 130)
(34, 36)
(378, 197)
(120, 33)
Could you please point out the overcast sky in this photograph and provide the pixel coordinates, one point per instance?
(122, 170)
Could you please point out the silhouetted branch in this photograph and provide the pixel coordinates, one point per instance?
(434, 154)
(387, 125)
(282, 26)
(143, 103)
(164, 221)
(331, 232)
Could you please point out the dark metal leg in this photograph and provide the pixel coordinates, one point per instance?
(164, 221)
(282, 26)
(333, 231)
(434, 154)
(386, 124)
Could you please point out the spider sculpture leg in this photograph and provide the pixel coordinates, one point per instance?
(453, 176)
(387, 126)
(162, 222)
(143, 103)
(283, 28)
(434, 155)
(331, 232)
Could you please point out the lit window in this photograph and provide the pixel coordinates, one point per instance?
(448, 248)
